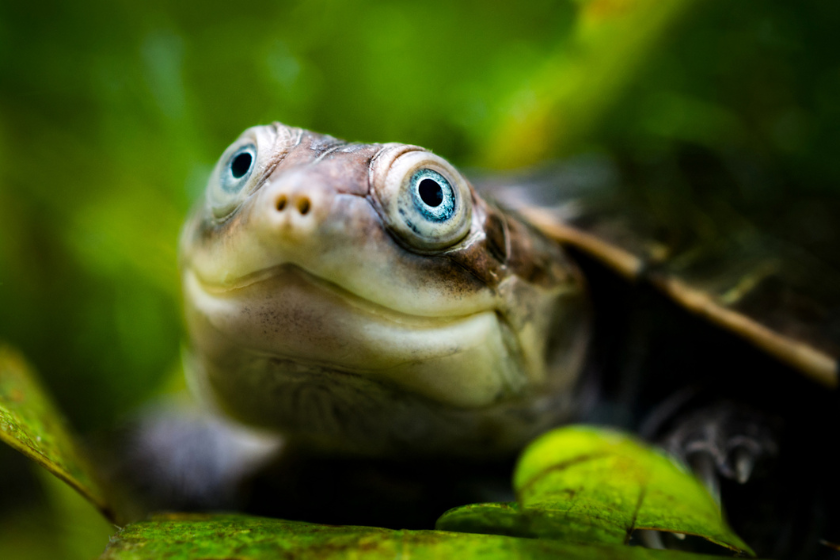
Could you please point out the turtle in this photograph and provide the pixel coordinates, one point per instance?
(369, 301)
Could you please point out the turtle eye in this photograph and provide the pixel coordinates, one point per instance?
(234, 173)
(238, 169)
(424, 200)
(432, 194)
(243, 167)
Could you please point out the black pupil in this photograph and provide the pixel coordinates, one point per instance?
(240, 165)
(430, 192)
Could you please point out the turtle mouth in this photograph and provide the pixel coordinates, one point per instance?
(288, 273)
(288, 315)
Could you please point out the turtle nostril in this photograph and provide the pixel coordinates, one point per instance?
(303, 205)
(281, 203)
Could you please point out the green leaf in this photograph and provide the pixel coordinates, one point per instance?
(30, 423)
(582, 484)
(492, 518)
(185, 536)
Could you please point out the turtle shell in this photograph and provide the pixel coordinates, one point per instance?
(707, 290)
(765, 274)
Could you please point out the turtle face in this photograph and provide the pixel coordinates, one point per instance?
(362, 296)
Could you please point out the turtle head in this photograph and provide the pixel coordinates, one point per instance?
(363, 296)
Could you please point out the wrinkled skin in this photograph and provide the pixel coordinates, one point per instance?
(322, 306)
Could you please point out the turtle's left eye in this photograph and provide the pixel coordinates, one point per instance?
(424, 200)
(238, 169)
(432, 194)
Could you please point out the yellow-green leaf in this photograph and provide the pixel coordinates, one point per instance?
(583, 484)
(185, 536)
(30, 423)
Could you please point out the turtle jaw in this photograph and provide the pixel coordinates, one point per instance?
(291, 319)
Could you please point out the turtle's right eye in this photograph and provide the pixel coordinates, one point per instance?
(238, 169)
(233, 178)
(244, 166)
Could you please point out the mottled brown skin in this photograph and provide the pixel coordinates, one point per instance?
(313, 315)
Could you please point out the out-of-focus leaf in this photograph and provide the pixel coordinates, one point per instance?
(492, 518)
(188, 536)
(560, 105)
(30, 423)
(78, 528)
(583, 484)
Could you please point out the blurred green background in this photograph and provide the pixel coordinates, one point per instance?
(113, 112)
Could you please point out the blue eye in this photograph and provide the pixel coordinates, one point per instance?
(238, 169)
(433, 195)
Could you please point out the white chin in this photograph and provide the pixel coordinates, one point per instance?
(292, 317)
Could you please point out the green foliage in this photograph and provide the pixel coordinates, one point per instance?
(30, 423)
(584, 485)
(185, 536)
(55, 516)
(42, 518)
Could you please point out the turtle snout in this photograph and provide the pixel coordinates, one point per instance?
(296, 205)
(302, 204)
(291, 202)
